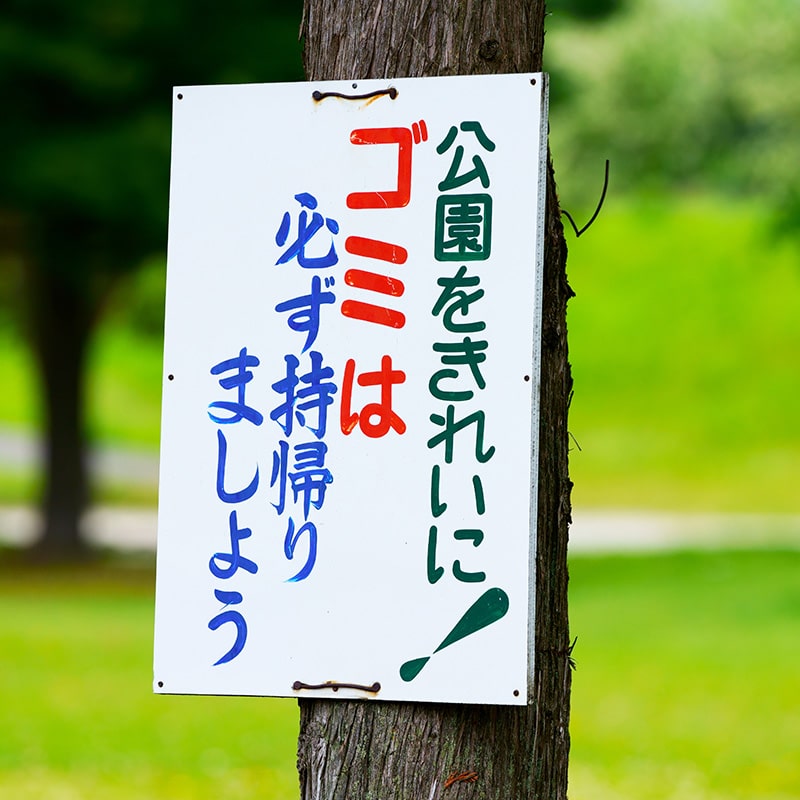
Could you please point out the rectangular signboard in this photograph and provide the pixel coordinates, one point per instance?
(351, 377)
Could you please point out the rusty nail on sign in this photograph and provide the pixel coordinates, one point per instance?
(374, 688)
(391, 91)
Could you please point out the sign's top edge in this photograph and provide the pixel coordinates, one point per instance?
(374, 83)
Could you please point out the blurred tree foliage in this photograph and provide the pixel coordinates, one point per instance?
(84, 166)
(586, 9)
(84, 171)
(681, 94)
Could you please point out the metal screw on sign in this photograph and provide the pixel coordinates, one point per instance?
(596, 211)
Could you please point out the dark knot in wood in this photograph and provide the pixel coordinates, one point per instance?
(489, 50)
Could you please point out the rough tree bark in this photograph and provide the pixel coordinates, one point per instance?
(398, 751)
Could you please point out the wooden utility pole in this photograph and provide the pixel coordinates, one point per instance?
(351, 750)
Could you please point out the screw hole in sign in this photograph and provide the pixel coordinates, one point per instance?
(527, 378)
(161, 684)
(170, 377)
(180, 97)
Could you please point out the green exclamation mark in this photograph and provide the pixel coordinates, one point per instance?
(491, 606)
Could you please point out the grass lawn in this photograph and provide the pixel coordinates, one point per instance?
(687, 687)
(78, 716)
(684, 339)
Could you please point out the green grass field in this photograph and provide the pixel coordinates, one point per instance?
(78, 716)
(684, 339)
(687, 684)
(687, 687)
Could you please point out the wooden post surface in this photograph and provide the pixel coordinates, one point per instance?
(353, 750)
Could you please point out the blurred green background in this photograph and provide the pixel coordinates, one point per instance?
(684, 341)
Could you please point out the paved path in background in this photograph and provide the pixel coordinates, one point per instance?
(130, 465)
(126, 528)
(591, 531)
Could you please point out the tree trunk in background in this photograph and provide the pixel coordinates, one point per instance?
(60, 323)
(351, 750)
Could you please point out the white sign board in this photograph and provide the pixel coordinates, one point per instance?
(350, 407)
